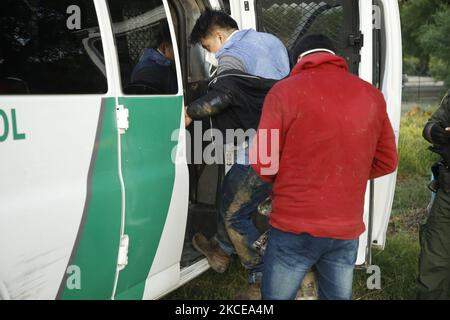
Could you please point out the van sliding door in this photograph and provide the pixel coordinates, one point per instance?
(154, 169)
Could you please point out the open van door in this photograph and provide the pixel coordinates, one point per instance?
(150, 110)
(368, 36)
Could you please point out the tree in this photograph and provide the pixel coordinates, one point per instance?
(436, 42)
(415, 15)
(425, 25)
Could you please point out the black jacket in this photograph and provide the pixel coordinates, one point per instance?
(234, 101)
(442, 115)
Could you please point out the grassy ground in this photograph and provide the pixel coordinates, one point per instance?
(398, 262)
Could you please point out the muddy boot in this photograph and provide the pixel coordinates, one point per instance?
(253, 292)
(217, 258)
(309, 289)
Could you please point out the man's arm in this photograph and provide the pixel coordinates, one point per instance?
(213, 103)
(227, 63)
(268, 143)
(434, 131)
(386, 156)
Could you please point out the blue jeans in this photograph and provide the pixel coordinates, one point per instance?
(242, 192)
(289, 257)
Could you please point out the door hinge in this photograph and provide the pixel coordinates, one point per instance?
(123, 253)
(356, 40)
(122, 119)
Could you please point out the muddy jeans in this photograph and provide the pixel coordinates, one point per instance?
(242, 192)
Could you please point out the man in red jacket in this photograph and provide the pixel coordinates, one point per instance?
(323, 134)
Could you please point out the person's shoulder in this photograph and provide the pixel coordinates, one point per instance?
(368, 87)
(445, 103)
(269, 37)
(284, 87)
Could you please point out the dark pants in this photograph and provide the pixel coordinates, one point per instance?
(289, 257)
(434, 262)
(241, 194)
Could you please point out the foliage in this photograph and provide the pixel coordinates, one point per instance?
(415, 158)
(426, 25)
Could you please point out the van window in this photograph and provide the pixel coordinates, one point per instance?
(45, 48)
(145, 49)
(291, 20)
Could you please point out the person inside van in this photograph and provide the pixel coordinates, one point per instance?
(156, 68)
(248, 63)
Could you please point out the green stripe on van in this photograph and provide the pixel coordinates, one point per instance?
(149, 176)
(96, 250)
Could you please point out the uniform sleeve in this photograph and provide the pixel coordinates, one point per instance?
(386, 156)
(267, 146)
(442, 115)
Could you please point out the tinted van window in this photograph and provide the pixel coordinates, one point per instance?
(47, 47)
(145, 49)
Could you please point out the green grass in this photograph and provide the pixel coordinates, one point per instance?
(214, 286)
(415, 158)
(398, 265)
(398, 262)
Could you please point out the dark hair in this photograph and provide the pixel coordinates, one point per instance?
(208, 20)
(312, 42)
(163, 33)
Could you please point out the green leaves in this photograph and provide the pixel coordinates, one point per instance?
(426, 26)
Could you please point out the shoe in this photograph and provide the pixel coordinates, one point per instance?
(308, 290)
(217, 258)
(253, 292)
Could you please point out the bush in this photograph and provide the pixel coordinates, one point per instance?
(411, 65)
(440, 70)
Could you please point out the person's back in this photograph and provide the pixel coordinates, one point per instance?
(332, 122)
(334, 135)
(156, 71)
(260, 54)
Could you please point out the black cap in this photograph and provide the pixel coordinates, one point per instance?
(312, 42)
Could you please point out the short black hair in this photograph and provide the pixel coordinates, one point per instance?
(312, 42)
(163, 33)
(208, 20)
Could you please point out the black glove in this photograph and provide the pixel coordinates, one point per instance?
(439, 135)
(443, 151)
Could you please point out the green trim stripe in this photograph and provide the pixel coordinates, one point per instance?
(96, 250)
(149, 176)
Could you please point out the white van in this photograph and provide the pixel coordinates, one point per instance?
(91, 204)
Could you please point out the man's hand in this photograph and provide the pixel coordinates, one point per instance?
(187, 120)
(440, 134)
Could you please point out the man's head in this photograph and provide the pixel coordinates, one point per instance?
(212, 30)
(313, 43)
(165, 41)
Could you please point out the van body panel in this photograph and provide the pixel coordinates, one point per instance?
(95, 252)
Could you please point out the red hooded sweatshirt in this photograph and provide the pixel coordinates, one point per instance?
(334, 135)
